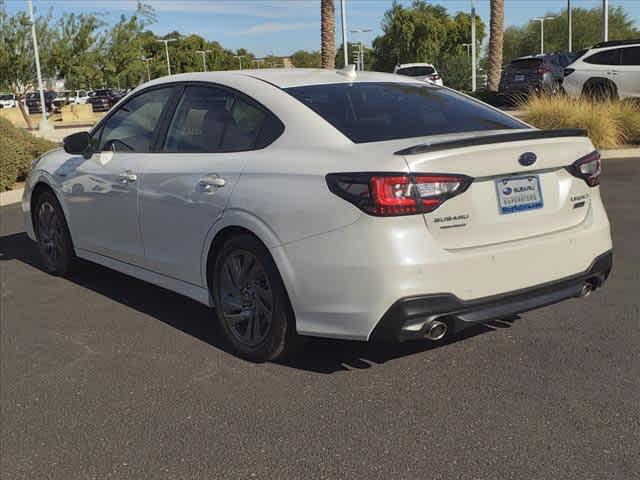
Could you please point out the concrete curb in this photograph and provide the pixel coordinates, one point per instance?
(15, 196)
(11, 197)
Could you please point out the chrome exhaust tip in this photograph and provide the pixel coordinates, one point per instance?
(586, 290)
(436, 330)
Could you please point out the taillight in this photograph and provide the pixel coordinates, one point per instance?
(588, 168)
(543, 70)
(394, 194)
(568, 71)
(435, 77)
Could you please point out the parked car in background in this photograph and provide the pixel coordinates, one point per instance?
(535, 74)
(61, 99)
(32, 102)
(323, 203)
(421, 71)
(102, 100)
(607, 70)
(8, 100)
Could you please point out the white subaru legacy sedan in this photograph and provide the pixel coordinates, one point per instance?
(321, 203)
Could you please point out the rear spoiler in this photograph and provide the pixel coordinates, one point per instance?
(489, 139)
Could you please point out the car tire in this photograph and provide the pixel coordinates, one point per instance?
(600, 91)
(251, 302)
(52, 233)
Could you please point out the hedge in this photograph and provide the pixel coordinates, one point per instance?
(18, 148)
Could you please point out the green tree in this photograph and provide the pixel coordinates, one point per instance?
(422, 33)
(305, 59)
(587, 30)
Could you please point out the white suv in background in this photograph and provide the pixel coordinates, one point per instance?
(420, 71)
(609, 69)
(8, 100)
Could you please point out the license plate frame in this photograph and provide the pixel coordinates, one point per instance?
(524, 200)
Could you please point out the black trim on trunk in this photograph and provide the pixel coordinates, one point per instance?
(489, 139)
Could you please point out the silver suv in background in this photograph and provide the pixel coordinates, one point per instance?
(607, 70)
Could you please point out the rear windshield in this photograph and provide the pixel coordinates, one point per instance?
(101, 93)
(532, 63)
(416, 71)
(374, 112)
(6, 97)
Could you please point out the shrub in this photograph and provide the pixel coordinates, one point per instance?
(609, 124)
(18, 148)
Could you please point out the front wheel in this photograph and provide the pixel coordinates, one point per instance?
(251, 302)
(54, 240)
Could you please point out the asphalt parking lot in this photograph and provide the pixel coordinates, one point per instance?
(103, 376)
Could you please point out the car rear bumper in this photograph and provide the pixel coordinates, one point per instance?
(409, 318)
(342, 283)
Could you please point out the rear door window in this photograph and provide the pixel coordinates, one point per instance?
(608, 57)
(213, 119)
(373, 111)
(630, 56)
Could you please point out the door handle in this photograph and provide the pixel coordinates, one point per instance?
(127, 177)
(211, 182)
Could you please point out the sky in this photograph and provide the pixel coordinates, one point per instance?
(280, 27)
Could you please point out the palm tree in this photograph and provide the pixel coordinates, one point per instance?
(328, 33)
(496, 35)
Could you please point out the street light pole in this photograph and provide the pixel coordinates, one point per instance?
(473, 46)
(44, 124)
(204, 58)
(239, 57)
(345, 47)
(541, 20)
(166, 51)
(605, 19)
(570, 25)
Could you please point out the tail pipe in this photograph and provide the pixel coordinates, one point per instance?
(436, 330)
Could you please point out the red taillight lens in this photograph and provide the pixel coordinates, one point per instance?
(435, 77)
(393, 194)
(588, 168)
(544, 70)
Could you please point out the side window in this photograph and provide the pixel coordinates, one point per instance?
(199, 122)
(630, 56)
(131, 127)
(608, 57)
(211, 119)
(244, 124)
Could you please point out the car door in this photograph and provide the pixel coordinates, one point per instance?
(603, 64)
(628, 73)
(186, 188)
(102, 191)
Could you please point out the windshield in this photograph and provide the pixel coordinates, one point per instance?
(374, 112)
(6, 97)
(416, 71)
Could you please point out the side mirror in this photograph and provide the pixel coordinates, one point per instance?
(78, 144)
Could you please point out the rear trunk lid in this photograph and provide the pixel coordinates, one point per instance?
(507, 200)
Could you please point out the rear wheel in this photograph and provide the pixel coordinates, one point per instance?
(251, 302)
(54, 240)
(600, 91)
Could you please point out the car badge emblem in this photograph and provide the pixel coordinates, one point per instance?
(527, 159)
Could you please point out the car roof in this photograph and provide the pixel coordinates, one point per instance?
(290, 77)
